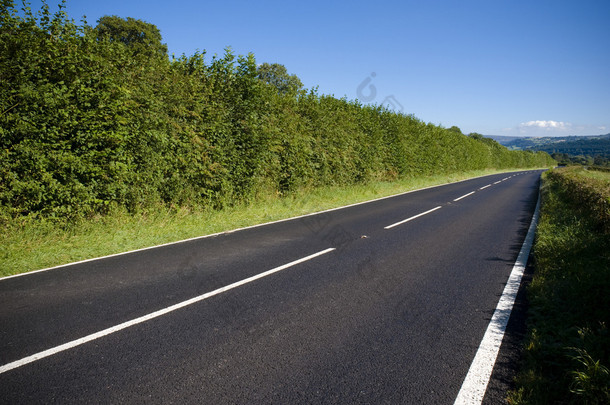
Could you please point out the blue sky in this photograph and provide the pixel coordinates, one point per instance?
(497, 67)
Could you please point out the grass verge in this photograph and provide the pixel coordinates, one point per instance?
(29, 244)
(567, 350)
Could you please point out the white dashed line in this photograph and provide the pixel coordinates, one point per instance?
(153, 315)
(464, 196)
(412, 218)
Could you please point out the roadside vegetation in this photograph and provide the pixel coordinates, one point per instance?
(31, 244)
(98, 124)
(567, 350)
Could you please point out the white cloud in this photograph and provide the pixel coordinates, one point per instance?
(553, 128)
(549, 125)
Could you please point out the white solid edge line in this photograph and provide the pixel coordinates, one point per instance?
(475, 384)
(412, 218)
(464, 196)
(484, 187)
(124, 325)
(238, 229)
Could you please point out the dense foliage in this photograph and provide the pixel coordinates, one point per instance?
(589, 194)
(97, 117)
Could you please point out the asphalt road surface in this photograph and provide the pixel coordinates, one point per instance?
(383, 302)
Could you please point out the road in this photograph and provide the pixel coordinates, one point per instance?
(383, 302)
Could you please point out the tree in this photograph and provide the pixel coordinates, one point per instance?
(455, 129)
(140, 36)
(277, 75)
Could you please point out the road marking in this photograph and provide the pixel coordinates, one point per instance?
(464, 196)
(412, 218)
(498, 182)
(153, 315)
(506, 178)
(475, 384)
(484, 187)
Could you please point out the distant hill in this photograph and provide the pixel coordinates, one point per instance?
(577, 145)
(578, 149)
(504, 140)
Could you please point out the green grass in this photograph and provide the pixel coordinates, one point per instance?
(567, 351)
(31, 244)
(597, 174)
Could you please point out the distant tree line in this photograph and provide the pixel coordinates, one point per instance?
(98, 117)
(583, 160)
(583, 151)
(579, 150)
